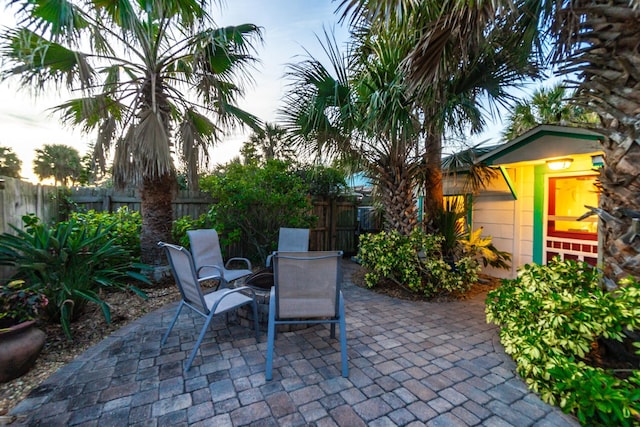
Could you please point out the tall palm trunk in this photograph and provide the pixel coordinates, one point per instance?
(602, 42)
(620, 183)
(157, 216)
(433, 192)
(395, 187)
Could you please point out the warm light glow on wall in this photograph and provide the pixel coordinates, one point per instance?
(559, 164)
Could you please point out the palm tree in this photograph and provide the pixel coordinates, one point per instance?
(452, 106)
(155, 78)
(268, 144)
(10, 164)
(595, 41)
(546, 106)
(360, 115)
(58, 161)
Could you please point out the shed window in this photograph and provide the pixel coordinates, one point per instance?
(568, 197)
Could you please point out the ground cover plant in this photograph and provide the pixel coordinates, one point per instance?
(415, 262)
(70, 263)
(551, 318)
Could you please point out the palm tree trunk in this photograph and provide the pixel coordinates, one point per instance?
(433, 193)
(602, 45)
(620, 183)
(157, 217)
(396, 193)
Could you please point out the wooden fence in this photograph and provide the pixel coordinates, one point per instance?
(186, 203)
(336, 227)
(18, 198)
(335, 230)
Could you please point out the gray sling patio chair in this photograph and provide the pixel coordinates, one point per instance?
(291, 240)
(207, 257)
(207, 305)
(307, 290)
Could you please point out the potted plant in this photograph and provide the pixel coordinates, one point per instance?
(20, 340)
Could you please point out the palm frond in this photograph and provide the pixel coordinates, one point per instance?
(38, 61)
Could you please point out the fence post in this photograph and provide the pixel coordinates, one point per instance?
(106, 203)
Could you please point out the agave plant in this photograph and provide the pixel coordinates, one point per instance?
(69, 263)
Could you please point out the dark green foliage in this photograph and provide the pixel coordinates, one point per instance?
(69, 263)
(10, 164)
(19, 303)
(123, 227)
(64, 203)
(186, 223)
(458, 242)
(58, 161)
(415, 262)
(251, 203)
(450, 225)
(323, 181)
(549, 317)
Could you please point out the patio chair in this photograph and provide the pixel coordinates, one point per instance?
(291, 240)
(307, 291)
(207, 256)
(207, 305)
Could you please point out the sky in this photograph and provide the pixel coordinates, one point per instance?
(289, 27)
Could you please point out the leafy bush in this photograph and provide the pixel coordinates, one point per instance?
(123, 226)
(69, 263)
(549, 317)
(415, 262)
(323, 181)
(186, 223)
(253, 202)
(483, 248)
(19, 303)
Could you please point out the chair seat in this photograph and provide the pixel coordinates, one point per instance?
(235, 299)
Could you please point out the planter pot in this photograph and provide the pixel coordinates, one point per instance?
(20, 346)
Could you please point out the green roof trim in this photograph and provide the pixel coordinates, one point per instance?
(507, 179)
(537, 135)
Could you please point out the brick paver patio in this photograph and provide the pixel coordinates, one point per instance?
(411, 364)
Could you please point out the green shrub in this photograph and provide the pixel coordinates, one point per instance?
(415, 262)
(69, 263)
(123, 226)
(19, 304)
(186, 223)
(252, 202)
(549, 318)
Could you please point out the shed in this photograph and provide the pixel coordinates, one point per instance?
(531, 209)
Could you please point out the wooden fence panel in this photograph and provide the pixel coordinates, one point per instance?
(186, 203)
(18, 198)
(346, 220)
(336, 227)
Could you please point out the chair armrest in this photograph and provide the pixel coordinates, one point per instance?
(228, 292)
(237, 259)
(219, 269)
(268, 261)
